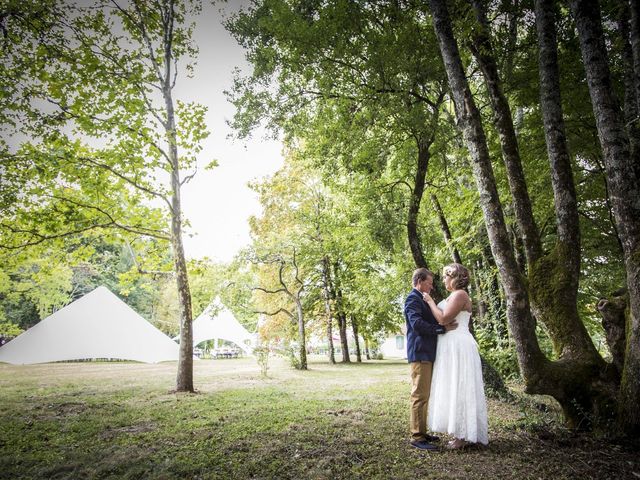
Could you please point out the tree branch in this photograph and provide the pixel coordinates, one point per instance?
(144, 33)
(132, 182)
(280, 310)
(188, 178)
(139, 268)
(280, 290)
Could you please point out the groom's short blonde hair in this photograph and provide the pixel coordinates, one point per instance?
(421, 274)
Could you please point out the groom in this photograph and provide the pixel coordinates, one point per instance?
(422, 332)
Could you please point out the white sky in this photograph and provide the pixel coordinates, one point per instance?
(218, 202)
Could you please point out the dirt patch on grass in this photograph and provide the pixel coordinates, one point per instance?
(38, 412)
(111, 433)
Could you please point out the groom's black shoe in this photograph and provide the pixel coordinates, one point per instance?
(423, 445)
(431, 438)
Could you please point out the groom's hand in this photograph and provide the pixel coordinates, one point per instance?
(451, 326)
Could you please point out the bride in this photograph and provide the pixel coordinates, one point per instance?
(457, 403)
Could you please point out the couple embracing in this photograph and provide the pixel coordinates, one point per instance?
(447, 391)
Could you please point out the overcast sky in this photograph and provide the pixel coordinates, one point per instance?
(218, 202)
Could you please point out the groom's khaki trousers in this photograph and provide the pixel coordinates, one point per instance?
(420, 390)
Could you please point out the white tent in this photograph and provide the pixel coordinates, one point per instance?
(98, 325)
(222, 325)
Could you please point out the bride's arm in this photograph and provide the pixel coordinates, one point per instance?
(456, 302)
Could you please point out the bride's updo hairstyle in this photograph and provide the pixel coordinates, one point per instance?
(459, 274)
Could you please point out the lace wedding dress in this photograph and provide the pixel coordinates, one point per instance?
(457, 404)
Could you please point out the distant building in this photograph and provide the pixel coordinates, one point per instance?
(395, 345)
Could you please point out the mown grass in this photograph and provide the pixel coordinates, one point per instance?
(121, 420)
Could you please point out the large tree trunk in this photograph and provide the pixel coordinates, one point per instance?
(631, 83)
(567, 381)
(326, 293)
(556, 307)
(184, 379)
(554, 279)
(613, 311)
(623, 187)
(634, 39)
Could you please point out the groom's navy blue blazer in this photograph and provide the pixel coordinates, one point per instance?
(422, 329)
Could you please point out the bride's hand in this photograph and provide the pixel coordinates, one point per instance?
(426, 297)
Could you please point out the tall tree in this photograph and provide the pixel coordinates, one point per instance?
(580, 379)
(566, 256)
(624, 187)
(565, 380)
(108, 73)
(292, 288)
(323, 52)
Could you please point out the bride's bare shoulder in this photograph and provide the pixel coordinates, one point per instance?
(460, 295)
(461, 298)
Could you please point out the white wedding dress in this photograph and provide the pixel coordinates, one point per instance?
(457, 404)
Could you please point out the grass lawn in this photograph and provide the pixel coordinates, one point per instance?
(120, 420)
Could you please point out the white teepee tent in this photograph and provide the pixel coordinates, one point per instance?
(222, 325)
(98, 325)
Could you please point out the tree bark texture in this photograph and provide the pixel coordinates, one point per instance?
(631, 120)
(483, 51)
(613, 311)
(554, 278)
(184, 380)
(344, 342)
(634, 39)
(623, 188)
(566, 205)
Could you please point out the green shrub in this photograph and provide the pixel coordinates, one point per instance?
(262, 353)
